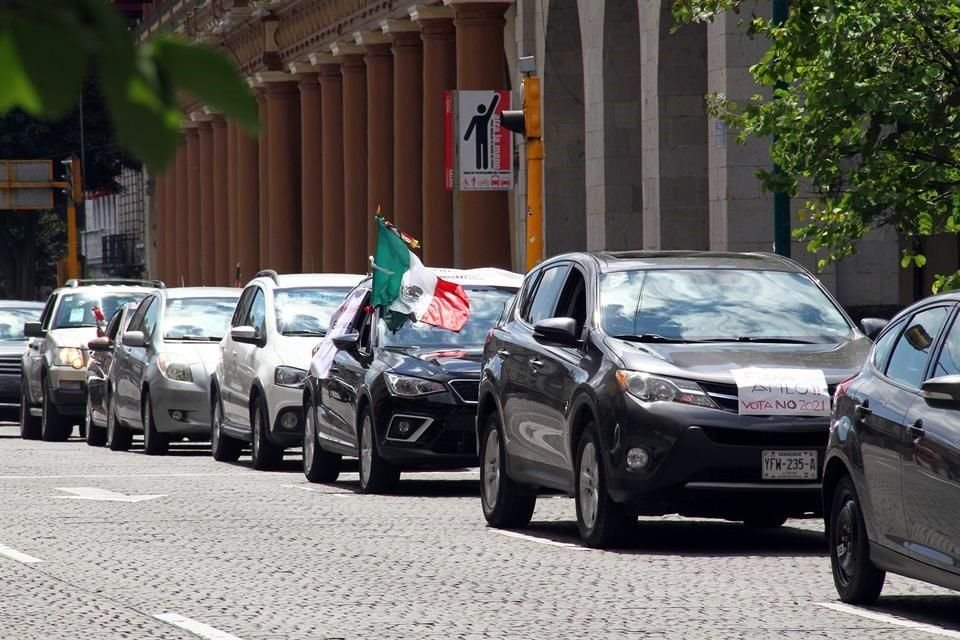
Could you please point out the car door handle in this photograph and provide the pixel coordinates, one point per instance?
(916, 430)
(861, 411)
(535, 363)
(503, 353)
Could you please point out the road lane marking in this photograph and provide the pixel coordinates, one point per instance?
(19, 556)
(131, 475)
(891, 619)
(96, 493)
(546, 541)
(196, 628)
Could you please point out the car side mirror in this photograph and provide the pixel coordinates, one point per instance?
(873, 326)
(100, 344)
(134, 339)
(943, 389)
(562, 331)
(346, 341)
(33, 330)
(245, 334)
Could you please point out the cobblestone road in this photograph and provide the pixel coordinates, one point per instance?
(227, 552)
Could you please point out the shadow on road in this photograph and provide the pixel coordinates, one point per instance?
(943, 611)
(698, 538)
(433, 488)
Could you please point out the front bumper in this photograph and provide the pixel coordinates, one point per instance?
(441, 434)
(67, 388)
(708, 463)
(9, 395)
(185, 399)
(281, 403)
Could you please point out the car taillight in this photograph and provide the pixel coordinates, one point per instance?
(843, 386)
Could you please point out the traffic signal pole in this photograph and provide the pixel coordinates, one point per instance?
(70, 266)
(781, 201)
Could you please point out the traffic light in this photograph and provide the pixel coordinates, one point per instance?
(526, 122)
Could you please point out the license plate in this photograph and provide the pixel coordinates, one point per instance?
(789, 465)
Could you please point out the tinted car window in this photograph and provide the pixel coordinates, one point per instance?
(719, 304)
(486, 305)
(12, 321)
(258, 312)
(197, 318)
(545, 297)
(909, 359)
(240, 313)
(884, 345)
(150, 317)
(948, 364)
(306, 310)
(573, 299)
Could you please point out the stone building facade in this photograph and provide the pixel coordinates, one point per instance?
(351, 104)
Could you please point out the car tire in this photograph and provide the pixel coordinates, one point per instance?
(266, 455)
(505, 506)
(29, 424)
(155, 443)
(95, 436)
(376, 474)
(765, 521)
(119, 437)
(603, 523)
(53, 426)
(223, 447)
(318, 465)
(857, 579)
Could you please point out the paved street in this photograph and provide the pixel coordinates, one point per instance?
(227, 552)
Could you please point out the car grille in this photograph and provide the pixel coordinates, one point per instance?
(726, 396)
(751, 438)
(467, 390)
(9, 365)
(455, 442)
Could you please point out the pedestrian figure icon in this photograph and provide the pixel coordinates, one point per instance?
(480, 127)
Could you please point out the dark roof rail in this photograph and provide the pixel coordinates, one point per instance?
(269, 273)
(79, 282)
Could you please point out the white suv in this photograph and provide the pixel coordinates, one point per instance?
(256, 391)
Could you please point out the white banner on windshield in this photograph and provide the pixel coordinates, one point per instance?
(782, 392)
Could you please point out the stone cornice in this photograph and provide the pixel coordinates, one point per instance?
(420, 12)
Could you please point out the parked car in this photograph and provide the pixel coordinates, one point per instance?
(13, 315)
(160, 380)
(52, 394)
(660, 382)
(257, 386)
(99, 365)
(400, 397)
(891, 488)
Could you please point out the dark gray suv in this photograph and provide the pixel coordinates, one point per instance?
(673, 382)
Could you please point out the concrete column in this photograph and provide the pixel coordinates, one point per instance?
(170, 224)
(331, 136)
(263, 174)
(160, 202)
(355, 208)
(232, 229)
(311, 166)
(193, 204)
(208, 226)
(221, 213)
(379, 61)
(247, 214)
(483, 225)
(439, 75)
(407, 124)
(283, 152)
(180, 273)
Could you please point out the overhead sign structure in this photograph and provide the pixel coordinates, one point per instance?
(26, 185)
(485, 156)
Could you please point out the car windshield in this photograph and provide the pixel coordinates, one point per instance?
(306, 311)
(76, 309)
(12, 321)
(718, 304)
(198, 318)
(486, 306)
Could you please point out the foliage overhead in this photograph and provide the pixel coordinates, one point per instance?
(48, 48)
(867, 115)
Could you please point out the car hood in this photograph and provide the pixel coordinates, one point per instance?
(78, 337)
(423, 362)
(206, 353)
(714, 362)
(295, 351)
(13, 347)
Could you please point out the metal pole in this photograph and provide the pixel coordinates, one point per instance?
(781, 201)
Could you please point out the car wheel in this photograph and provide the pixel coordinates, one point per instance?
(154, 442)
(765, 521)
(29, 425)
(53, 426)
(95, 436)
(602, 521)
(119, 438)
(223, 447)
(318, 465)
(857, 580)
(504, 505)
(266, 455)
(376, 474)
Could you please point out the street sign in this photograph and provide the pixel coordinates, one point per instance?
(485, 155)
(26, 185)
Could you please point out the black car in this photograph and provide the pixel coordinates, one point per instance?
(13, 315)
(891, 488)
(398, 397)
(662, 382)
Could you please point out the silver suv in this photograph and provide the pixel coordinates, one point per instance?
(53, 393)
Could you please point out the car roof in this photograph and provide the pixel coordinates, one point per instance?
(292, 280)
(16, 304)
(107, 288)
(178, 293)
(681, 259)
(487, 276)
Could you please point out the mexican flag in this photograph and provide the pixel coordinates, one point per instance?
(401, 284)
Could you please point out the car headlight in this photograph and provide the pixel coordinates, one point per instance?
(411, 387)
(650, 388)
(289, 376)
(174, 367)
(71, 357)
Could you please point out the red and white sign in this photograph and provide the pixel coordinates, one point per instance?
(486, 148)
(448, 139)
